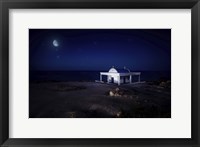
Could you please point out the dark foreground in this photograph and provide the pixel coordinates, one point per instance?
(97, 100)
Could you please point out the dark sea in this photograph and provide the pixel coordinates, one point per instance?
(91, 76)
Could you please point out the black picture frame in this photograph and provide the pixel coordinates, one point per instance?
(5, 5)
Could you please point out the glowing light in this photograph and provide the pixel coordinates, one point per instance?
(55, 43)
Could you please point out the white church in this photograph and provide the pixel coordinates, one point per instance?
(119, 76)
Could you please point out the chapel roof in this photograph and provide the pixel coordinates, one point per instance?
(118, 70)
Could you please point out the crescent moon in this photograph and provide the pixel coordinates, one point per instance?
(55, 43)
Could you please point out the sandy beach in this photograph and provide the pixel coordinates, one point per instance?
(99, 100)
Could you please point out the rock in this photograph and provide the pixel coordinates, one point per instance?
(116, 94)
(163, 84)
(168, 82)
(111, 93)
(119, 114)
(72, 114)
(121, 92)
(117, 89)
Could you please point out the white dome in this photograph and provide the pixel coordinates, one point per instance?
(116, 70)
(113, 70)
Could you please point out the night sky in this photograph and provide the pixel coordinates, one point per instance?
(99, 49)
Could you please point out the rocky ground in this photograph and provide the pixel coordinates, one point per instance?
(100, 100)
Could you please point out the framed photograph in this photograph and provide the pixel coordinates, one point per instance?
(99, 73)
(68, 63)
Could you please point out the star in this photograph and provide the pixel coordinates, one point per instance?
(129, 39)
(95, 43)
(79, 50)
(58, 57)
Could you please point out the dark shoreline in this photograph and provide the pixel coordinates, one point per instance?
(84, 76)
